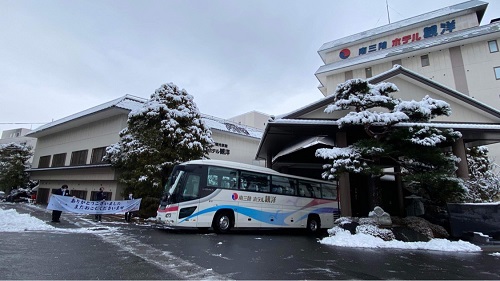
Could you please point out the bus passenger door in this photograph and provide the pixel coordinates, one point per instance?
(189, 201)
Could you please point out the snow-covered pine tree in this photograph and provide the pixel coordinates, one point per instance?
(483, 185)
(416, 149)
(13, 164)
(167, 130)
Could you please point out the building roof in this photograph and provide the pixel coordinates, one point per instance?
(400, 70)
(125, 104)
(455, 38)
(220, 124)
(464, 8)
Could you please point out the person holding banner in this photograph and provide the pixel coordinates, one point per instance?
(56, 215)
(100, 196)
(128, 215)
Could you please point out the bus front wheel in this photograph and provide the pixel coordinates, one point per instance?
(313, 224)
(222, 222)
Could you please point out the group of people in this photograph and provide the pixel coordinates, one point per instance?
(100, 196)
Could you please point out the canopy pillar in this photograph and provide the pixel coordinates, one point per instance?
(344, 184)
(458, 149)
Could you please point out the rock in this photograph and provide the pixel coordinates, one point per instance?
(381, 217)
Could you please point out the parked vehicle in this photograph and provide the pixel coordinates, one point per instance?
(225, 195)
(18, 195)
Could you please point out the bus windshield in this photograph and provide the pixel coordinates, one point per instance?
(171, 185)
(173, 182)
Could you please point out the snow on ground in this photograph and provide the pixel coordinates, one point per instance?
(12, 221)
(344, 238)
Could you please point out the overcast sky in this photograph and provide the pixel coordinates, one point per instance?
(58, 58)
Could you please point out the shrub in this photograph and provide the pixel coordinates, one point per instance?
(420, 225)
(149, 206)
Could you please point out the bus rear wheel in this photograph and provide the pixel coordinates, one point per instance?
(222, 222)
(313, 224)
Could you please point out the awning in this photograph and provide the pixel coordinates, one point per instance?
(304, 144)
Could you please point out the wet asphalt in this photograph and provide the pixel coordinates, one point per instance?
(116, 250)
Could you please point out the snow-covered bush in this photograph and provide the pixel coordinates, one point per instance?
(367, 221)
(335, 230)
(373, 230)
(344, 220)
(13, 164)
(483, 185)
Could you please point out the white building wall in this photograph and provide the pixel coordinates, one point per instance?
(460, 112)
(479, 64)
(253, 119)
(89, 136)
(242, 149)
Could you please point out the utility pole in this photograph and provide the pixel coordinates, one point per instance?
(387, 7)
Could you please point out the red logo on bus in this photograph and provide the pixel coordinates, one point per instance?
(235, 196)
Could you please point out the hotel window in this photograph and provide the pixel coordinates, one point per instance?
(78, 158)
(58, 160)
(44, 162)
(497, 72)
(425, 60)
(493, 46)
(97, 154)
(368, 72)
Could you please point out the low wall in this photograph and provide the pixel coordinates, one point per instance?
(467, 218)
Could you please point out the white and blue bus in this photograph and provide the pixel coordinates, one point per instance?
(225, 195)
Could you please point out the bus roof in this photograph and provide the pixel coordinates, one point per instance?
(246, 167)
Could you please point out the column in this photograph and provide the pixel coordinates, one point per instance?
(458, 149)
(344, 184)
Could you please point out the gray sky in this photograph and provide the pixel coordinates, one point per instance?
(61, 57)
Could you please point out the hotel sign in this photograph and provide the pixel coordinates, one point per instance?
(426, 32)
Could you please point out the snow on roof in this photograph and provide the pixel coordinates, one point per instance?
(456, 93)
(458, 9)
(395, 71)
(411, 47)
(230, 126)
(129, 102)
(401, 124)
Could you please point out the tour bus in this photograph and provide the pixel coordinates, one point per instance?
(225, 195)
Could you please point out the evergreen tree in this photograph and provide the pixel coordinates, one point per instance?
(13, 164)
(483, 185)
(167, 130)
(416, 149)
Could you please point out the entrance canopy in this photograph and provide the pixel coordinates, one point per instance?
(310, 142)
(293, 142)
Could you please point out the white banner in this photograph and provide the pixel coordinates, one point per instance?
(80, 206)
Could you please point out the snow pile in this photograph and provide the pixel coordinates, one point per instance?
(12, 221)
(343, 238)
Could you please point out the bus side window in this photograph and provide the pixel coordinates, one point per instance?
(305, 189)
(192, 188)
(255, 181)
(253, 187)
(329, 191)
(222, 177)
(276, 189)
